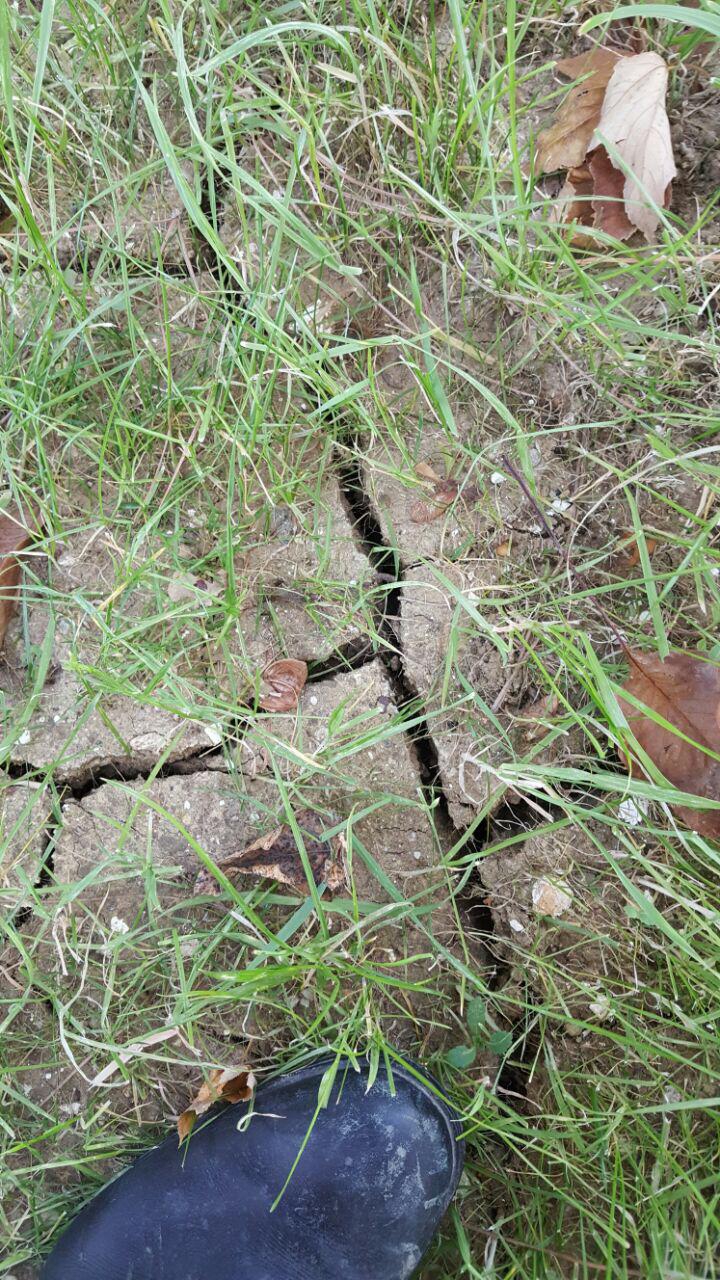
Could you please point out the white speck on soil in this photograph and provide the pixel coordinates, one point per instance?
(516, 926)
(601, 1009)
(632, 812)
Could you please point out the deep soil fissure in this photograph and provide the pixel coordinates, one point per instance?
(513, 814)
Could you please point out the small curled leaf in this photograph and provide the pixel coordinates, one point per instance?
(283, 682)
(224, 1084)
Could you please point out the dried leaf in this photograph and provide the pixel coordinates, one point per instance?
(634, 121)
(131, 1051)
(607, 189)
(224, 1084)
(574, 204)
(427, 472)
(283, 681)
(632, 557)
(444, 494)
(564, 145)
(276, 856)
(685, 691)
(598, 61)
(14, 537)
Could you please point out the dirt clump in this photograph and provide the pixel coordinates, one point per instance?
(26, 811)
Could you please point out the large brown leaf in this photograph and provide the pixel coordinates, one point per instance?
(224, 1084)
(14, 537)
(564, 145)
(276, 856)
(607, 185)
(685, 691)
(634, 120)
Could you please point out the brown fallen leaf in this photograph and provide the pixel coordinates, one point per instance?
(14, 537)
(564, 145)
(427, 472)
(276, 856)
(574, 205)
(631, 557)
(284, 681)
(634, 121)
(685, 691)
(607, 184)
(443, 495)
(224, 1084)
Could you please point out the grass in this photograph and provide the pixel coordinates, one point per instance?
(253, 259)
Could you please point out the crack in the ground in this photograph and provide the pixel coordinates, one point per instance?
(367, 530)
(45, 862)
(79, 789)
(514, 815)
(347, 657)
(116, 769)
(386, 645)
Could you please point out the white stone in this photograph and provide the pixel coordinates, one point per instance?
(551, 899)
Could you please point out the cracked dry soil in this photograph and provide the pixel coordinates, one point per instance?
(408, 709)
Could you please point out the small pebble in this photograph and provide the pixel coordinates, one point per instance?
(550, 899)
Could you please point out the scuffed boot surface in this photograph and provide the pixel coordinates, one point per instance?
(367, 1195)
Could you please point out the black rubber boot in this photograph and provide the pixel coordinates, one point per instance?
(367, 1195)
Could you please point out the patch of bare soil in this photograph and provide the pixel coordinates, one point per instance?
(53, 704)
